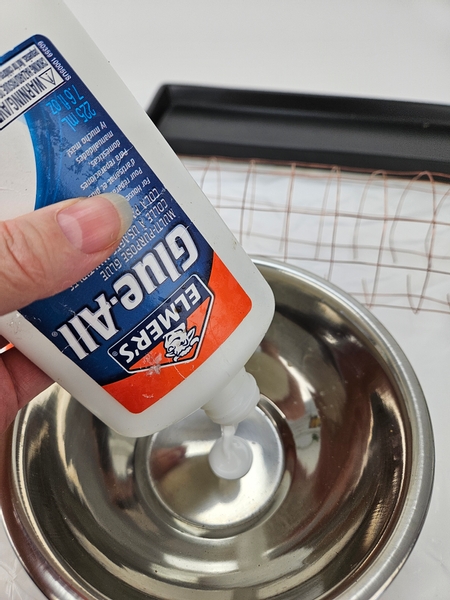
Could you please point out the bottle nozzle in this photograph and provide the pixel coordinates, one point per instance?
(231, 457)
(235, 401)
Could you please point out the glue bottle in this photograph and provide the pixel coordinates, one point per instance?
(167, 323)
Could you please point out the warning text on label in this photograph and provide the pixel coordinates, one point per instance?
(24, 80)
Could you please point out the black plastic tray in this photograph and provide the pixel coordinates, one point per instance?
(349, 132)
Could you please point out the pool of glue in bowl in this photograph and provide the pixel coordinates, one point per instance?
(231, 456)
(95, 515)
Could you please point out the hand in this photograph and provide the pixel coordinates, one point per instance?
(41, 254)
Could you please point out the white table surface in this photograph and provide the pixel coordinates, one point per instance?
(395, 49)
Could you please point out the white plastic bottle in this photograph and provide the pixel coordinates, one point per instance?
(166, 325)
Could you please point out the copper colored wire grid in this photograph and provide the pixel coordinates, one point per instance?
(382, 236)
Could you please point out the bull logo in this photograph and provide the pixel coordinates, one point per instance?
(171, 334)
(179, 342)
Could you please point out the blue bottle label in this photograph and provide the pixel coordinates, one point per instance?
(164, 298)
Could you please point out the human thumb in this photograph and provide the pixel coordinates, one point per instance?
(48, 250)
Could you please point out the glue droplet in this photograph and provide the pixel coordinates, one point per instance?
(231, 456)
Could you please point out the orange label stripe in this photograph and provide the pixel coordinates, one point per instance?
(231, 305)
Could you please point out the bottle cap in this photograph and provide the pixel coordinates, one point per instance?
(235, 401)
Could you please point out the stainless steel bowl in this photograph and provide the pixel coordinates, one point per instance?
(331, 507)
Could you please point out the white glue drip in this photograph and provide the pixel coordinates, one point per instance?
(231, 456)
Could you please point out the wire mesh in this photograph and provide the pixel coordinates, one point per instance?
(384, 237)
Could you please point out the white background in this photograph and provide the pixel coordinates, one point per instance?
(395, 49)
(382, 48)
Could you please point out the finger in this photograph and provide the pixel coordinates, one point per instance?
(46, 251)
(20, 381)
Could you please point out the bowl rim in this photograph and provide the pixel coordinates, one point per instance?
(59, 582)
